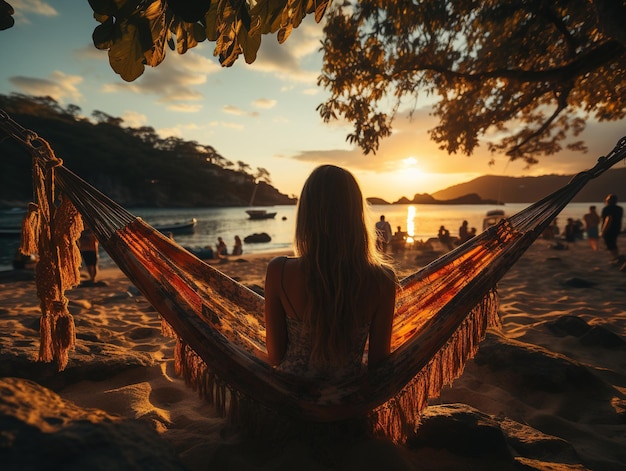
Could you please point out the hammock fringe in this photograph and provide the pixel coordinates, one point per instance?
(397, 419)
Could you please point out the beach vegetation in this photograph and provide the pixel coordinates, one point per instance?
(134, 166)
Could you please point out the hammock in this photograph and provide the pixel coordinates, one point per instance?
(442, 311)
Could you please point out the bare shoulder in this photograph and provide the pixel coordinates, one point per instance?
(278, 264)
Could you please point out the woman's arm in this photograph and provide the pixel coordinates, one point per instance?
(275, 324)
(380, 329)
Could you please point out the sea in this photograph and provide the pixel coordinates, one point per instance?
(420, 221)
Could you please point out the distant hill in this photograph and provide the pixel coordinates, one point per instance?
(133, 166)
(425, 198)
(531, 189)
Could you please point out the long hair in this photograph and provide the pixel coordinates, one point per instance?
(339, 259)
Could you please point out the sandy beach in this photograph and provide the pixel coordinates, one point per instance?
(546, 392)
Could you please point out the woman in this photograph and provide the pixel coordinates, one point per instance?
(322, 305)
(238, 247)
(592, 221)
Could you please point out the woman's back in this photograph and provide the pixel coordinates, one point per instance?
(288, 275)
(321, 306)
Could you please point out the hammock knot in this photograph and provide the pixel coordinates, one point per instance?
(29, 136)
(53, 162)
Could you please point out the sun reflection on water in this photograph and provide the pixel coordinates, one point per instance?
(410, 223)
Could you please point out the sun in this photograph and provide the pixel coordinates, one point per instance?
(409, 161)
(410, 167)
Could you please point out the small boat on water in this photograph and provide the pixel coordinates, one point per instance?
(260, 214)
(493, 217)
(182, 227)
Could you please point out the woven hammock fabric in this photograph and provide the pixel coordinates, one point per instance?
(442, 311)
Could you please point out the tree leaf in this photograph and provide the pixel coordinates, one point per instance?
(210, 18)
(283, 33)
(103, 34)
(250, 41)
(126, 54)
(103, 7)
(270, 12)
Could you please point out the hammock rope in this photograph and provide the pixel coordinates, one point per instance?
(442, 310)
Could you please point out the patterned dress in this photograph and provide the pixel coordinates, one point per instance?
(297, 359)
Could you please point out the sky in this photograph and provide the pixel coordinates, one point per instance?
(263, 113)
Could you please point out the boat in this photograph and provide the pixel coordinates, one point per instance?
(181, 227)
(493, 217)
(260, 214)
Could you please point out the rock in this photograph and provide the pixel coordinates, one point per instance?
(462, 430)
(257, 238)
(598, 336)
(526, 368)
(569, 325)
(458, 436)
(40, 430)
(579, 283)
(593, 336)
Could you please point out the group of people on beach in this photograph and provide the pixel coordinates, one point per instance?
(222, 250)
(399, 239)
(606, 225)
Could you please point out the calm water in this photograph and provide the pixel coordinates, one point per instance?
(420, 221)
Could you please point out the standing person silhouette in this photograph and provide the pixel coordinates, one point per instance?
(88, 246)
(322, 305)
(383, 234)
(592, 221)
(463, 232)
(611, 224)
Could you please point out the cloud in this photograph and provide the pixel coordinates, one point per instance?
(264, 103)
(173, 81)
(236, 111)
(311, 91)
(132, 119)
(61, 87)
(231, 125)
(23, 8)
(185, 107)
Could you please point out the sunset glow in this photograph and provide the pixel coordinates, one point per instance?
(273, 124)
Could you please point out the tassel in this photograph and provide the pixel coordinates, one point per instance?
(167, 330)
(46, 353)
(68, 225)
(64, 337)
(47, 290)
(30, 230)
(53, 233)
